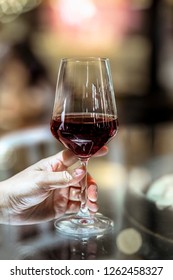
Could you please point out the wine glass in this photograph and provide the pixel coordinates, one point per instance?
(84, 119)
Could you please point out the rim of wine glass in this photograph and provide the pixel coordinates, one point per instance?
(84, 59)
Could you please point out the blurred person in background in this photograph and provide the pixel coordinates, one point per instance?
(25, 89)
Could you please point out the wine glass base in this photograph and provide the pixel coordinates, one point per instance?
(75, 225)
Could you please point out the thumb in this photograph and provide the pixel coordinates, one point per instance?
(62, 179)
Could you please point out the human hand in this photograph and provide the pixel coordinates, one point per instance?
(46, 190)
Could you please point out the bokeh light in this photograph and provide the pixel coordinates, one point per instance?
(11, 9)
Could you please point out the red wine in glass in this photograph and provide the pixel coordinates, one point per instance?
(84, 134)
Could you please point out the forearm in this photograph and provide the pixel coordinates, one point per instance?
(3, 203)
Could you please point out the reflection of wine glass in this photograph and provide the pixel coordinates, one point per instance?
(84, 119)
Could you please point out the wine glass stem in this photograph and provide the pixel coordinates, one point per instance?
(84, 191)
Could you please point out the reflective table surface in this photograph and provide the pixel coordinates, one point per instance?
(131, 193)
(141, 231)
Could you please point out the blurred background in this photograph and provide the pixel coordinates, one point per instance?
(136, 35)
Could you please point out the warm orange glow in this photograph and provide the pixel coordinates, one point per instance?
(74, 12)
(90, 24)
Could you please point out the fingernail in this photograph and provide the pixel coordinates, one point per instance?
(78, 172)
